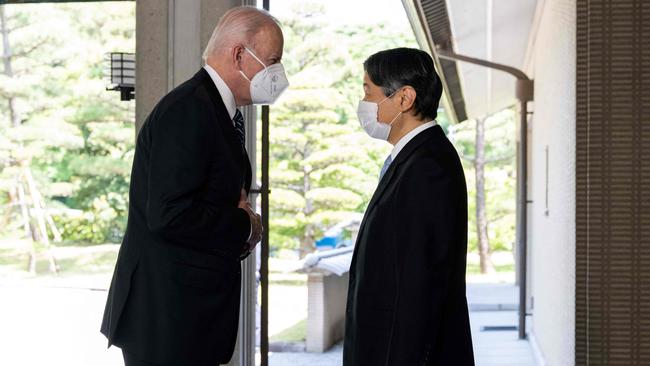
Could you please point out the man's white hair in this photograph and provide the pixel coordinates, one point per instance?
(239, 24)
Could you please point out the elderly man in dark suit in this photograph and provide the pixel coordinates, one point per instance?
(406, 298)
(174, 298)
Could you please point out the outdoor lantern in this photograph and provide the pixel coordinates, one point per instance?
(121, 73)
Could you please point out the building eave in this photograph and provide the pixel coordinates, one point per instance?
(432, 29)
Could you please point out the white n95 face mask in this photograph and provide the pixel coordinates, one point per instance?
(367, 113)
(268, 84)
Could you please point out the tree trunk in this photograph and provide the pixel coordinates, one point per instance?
(39, 213)
(27, 225)
(307, 239)
(11, 198)
(8, 71)
(481, 215)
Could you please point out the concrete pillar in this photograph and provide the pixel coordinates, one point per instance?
(170, 38)
(327, 296)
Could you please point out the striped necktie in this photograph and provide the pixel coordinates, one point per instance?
(384, 168)
(238, 120)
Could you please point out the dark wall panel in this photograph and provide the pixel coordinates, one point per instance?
(613, 183)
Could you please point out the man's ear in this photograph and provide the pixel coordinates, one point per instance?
(236, 54)
(407, 98)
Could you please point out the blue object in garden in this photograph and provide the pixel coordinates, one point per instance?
(333, 237)
(327, 242)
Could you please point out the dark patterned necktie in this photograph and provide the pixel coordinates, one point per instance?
(239, 127)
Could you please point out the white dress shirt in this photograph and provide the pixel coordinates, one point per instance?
(408, 137)
(228, 100)
(226, 95)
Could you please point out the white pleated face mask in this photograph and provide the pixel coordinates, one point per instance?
(367, 112)
(268, 84)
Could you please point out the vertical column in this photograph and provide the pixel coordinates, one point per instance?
(170, 38)
(316, 313)
(184, 47)
(151, 62)
(613, 183)
(327, 294)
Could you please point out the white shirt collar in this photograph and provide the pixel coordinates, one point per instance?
(226, 95)
(408, 137)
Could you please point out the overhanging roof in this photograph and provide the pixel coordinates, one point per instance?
(335, 261)
(431, 27)
(469, 27)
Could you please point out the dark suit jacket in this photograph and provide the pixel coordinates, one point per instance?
(174, 298)
(406, 297)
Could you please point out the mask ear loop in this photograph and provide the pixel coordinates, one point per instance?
(396, 117)
(388, 97)
(398, 114)
(256, 59)
(244, 75)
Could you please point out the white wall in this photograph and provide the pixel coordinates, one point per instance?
(552, 236)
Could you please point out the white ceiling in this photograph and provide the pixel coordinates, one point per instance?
(511, 25)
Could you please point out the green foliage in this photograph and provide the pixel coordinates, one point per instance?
(86, 229)
(323, 167)
(77, 137)
(500, 177)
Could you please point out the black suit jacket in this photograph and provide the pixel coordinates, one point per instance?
(174, 298)
(406, 297)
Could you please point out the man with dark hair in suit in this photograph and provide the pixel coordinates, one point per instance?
(406, 297)
(174, 298)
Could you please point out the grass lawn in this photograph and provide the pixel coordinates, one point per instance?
(504, 264)
(475, 268)
(83, 266)
(294, 334)
(70, 260)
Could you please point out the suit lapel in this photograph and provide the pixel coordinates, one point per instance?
(402, 157)
(223, 118)
(225, 123)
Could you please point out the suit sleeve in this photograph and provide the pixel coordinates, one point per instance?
(179, 157)
(425, 234)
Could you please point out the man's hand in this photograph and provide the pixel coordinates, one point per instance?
(256, 221)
